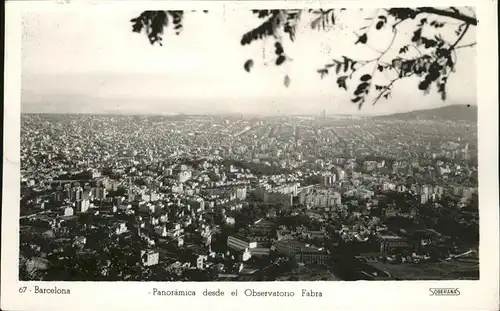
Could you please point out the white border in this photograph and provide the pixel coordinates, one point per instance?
(401, 295)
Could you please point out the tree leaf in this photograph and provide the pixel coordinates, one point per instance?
(264, 30)
(361, 88)
(364, 85)
(248, 65)
(261, 13)
(341, 82)
(403, 13)
(322, 72)
(424, 85)
(325, 19)
(450, 63)
(383, 18)
(366, 77)
(290, 25)
(287, 81)
(280, 60)
(346, 64)
(353, 63)
(154, 22)
(278, 48)
(359, 91)
(417, 35)
(362, 39)
(338, 68)
(315, 23)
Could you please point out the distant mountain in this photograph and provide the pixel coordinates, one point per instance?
(452, 112)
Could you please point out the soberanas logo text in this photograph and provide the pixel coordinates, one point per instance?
(444, 292)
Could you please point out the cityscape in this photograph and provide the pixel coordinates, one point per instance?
(250, 198)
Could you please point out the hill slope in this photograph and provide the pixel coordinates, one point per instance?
(452, 112)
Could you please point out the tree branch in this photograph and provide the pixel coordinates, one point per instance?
(395, 33)
(456, 15)
(460, 37)
(417, 49)
(388, 89)
(465, 45)
(363, 64)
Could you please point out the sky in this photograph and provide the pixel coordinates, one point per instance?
(90, 61)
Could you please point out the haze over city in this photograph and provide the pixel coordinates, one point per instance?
(101, 66)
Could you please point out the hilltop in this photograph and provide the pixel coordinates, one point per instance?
(452, 112)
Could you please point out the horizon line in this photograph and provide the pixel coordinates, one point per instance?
(233, 114)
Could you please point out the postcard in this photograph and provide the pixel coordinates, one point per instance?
(333, 155)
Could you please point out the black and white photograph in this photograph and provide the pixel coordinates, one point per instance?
(360, 166)
(239, 143)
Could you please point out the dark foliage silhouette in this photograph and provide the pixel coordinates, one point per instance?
(435, 61)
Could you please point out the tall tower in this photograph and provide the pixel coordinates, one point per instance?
(412, 157)
(130, 194)
(296, 132)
